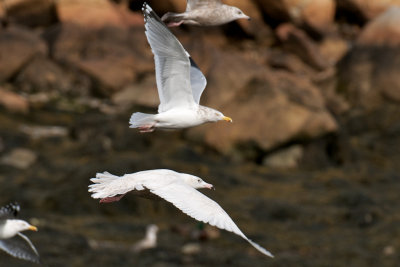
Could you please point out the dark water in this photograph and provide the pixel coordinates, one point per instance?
(341, 213)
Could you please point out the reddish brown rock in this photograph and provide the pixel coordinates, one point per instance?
(298, 42)
(383, 30)
(31, 13)
(230, 71)
(319, 14)
(96, 14)
(333, 48)
(13, 102)
(270, 111)
(42, 75)
(270, 117)
(2, 14)
(316, 14)
(17, 47)
(113, 57)
(144, 93)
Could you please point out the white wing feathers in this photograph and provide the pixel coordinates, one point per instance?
(20, 247)
(167, 185)
(193, 4)
(201, 208)
(171, 62)
(197, 81)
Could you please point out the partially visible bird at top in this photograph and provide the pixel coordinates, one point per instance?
(149, 241)
(204, 13)
(180, 83)
(12, 241)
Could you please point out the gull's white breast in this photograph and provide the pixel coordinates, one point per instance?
(178, 118)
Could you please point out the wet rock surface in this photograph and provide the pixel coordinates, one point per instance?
(309, 168)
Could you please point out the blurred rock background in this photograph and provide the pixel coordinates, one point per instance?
(309, 168)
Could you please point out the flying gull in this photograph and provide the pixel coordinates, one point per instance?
(180, 83)
(204, 13)
(176, 188)
(11, 239)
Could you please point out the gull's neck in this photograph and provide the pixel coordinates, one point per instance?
(8, 229)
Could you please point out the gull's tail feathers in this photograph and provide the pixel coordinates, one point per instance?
(102, 185)
(139, 119)
(171, 18)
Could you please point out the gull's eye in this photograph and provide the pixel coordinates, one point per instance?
(198, 180)
(239, 12)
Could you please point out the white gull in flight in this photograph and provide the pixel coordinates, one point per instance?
(204, 13)
(11, 239)
(176, 188)
(180, 83)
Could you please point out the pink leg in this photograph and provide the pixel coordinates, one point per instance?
(111, 199)
(174, 24)
(146, 128)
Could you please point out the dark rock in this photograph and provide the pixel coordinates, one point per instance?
(368, 76)
(32, 13)
(316, 14)
(273, 210)
(354, 198)
(361, 217)
(365, 9)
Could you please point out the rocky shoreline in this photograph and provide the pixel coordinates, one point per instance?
(309, 168)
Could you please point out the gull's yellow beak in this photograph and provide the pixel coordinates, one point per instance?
(33, 228)
(227, 119)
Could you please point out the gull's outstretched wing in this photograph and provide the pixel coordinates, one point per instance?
(197, 81)
(20, 247)
(201, 208)
(9, 211)
(171, 63)
(193, 4)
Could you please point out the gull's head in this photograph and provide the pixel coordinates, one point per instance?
(238, 14)
(13, 227)
(196, 182)
(215, 115)
(152, 228)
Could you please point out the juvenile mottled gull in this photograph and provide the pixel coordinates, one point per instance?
(176, 188)
(11, 240)
(180, 83)
(204, 13)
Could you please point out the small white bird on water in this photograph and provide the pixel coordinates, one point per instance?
(204, 13)
(176, 188)
(149, 241)
(12, 240)
(180, 83)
